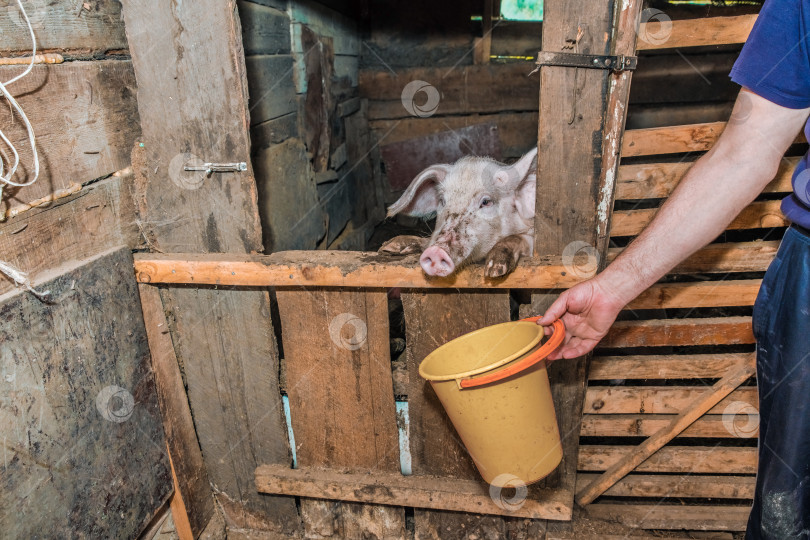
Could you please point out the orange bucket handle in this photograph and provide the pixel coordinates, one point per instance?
(554, 341)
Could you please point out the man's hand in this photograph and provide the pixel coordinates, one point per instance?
(588, 311)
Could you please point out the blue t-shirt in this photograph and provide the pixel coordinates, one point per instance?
(775, 64)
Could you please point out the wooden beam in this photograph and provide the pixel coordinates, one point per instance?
(671, 140)
(674, 459)
(666, 332)
(437, 493)
(193, 500)
(657, 180)
(658, 399)
(724, 257)
(709, 399)
(667, 366)
(692, 486)
(182, 524)
(335, 269)
(709, 31)
(741, 292)
(669, 516)
(759, 214)
(712, 426)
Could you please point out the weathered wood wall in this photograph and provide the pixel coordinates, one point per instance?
(317, 174)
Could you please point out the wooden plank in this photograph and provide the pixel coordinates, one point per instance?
(94, 219)
(707, 400)
(84, 451)
(658, 333)
(224, 338)
(192, 488)
(671, 140)
(643, 425)
(433, 318)
(270, 86)
(724, 257)
(336, 349)
(697, 486)
(669, 366)
(741, 292)
(396, 490)
(85, 119)
(516, 131)
(657, 180)
(336, 269)
(265, 30)
(180, 517)
(64, 24)
(666, 516)
(675, 459)
(759, 214)
(695, 32)
(656, 399)
(485, 88)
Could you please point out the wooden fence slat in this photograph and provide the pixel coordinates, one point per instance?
(724, 257)
(643, 425)
(656, 399)
(657, 180)
(675, 459)
(667, 516)
(759, 214)
(338, 269)
(396, 490)
(433, 318)
(659, 485)
(705, 401)
(338, 366)
(696, 32)
(741, 292)
(670, 366)
(661, 332)
(671, 140)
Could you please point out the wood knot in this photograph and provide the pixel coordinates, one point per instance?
(144, 277)
(598, 404)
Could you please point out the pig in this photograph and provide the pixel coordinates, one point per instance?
(484, 210)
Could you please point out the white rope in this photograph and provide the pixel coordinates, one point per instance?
(5, 179)
(20, 279)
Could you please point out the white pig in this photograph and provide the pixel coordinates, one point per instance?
(484, 210)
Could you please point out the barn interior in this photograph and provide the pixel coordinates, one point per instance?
(200, 341)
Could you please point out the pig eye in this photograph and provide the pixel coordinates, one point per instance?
(486, 202)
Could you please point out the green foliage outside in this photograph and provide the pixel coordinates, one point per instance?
(522, 10)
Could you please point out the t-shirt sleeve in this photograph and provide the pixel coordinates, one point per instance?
(774, 62)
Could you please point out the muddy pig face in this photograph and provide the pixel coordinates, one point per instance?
(477, 202)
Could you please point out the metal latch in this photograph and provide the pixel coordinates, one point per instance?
(592, 61)
(218, 167)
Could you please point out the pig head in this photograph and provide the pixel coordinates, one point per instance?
(484, 211)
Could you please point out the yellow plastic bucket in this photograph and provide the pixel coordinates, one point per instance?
(494, 387)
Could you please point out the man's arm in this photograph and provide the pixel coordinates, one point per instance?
(720, 184)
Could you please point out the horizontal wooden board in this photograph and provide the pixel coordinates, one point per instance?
(270, 87)
(667, 516)
(85, 118)
(713, 426)
(658, 399)
(337, 269)
(759, 214)
(661, 332)
(462, 90)
(414, 491)
(674, 459)
(657, 180)
(265, 30)
(671, 140)
(515, 130)
(98, 217)
(659, 485)
(699, 294)
(63, 24)
(668, 366)
(724, 257)
(694, 32)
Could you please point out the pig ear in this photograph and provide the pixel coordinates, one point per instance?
(523, 177)
(421, 199)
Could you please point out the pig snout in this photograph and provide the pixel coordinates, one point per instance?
(436, 262)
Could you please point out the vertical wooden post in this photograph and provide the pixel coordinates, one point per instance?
(581, 117)
(192, 99)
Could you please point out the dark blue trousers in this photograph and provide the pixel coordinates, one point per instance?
(781, 322)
